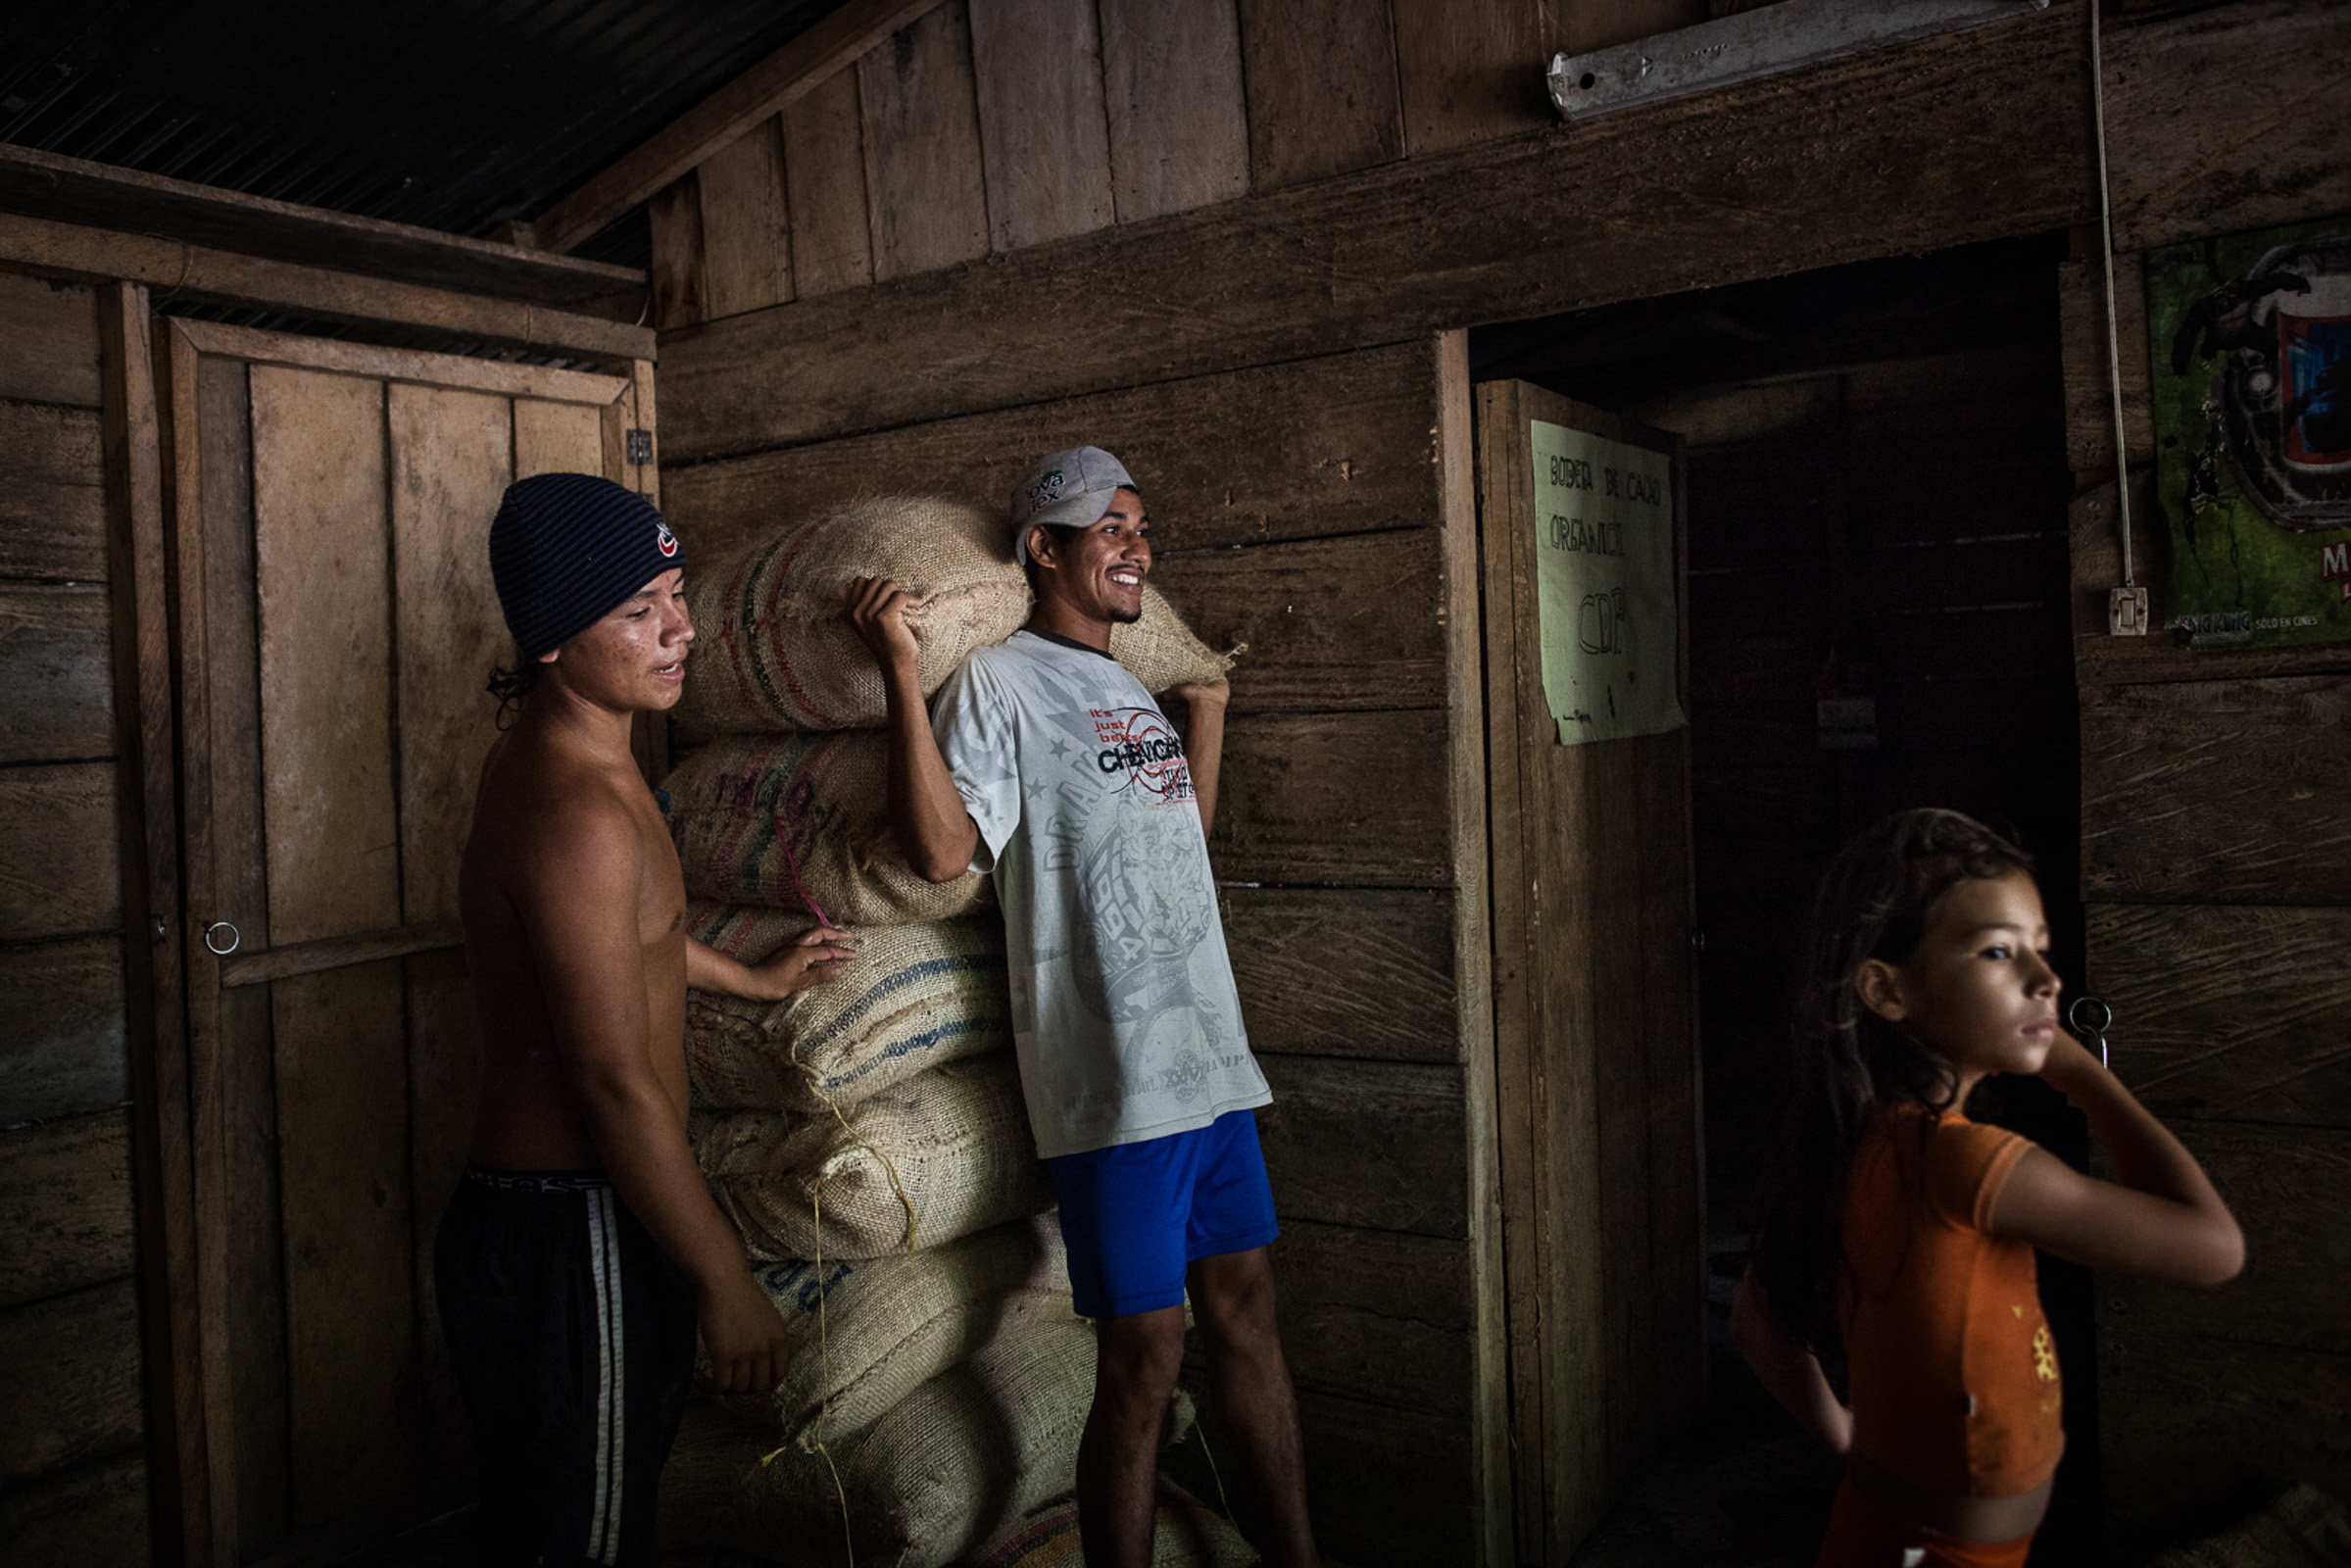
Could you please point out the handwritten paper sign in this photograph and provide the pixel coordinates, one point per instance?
(1607, 600)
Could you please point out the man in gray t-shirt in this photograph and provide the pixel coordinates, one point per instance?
(1048, 765)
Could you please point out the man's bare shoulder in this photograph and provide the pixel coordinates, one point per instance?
(541, 808)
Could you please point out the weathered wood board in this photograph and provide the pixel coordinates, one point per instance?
(1044, 141)
(59, 862)
(57, 665)
(2295, 1290)
(1472, 69)
(66, 1205)
(233, 278)
(450, 455)
(2217, 792)
(93, 1517)
(343, 1159)
(62, 1046)
(52, 332)
(1604, 24)
(1345, 971)
(1338, 445)
(745, 232)
(549, 438)
(1171, 84)
(1322, 89)
(2193, 1431)
(52, 494)
(1328, 624)
(70, 1381)
(1356, 1450)
(230, 1047)
(328, 787)
(445, 1062)
(320, 555)
(1335, 800)
(2180, 174)
(924, 180)
(1711, 190)
(2229, 1013)
(75, 190)
(680, 283)
(1380, 1316)
(1364, 1144)
(824, 184)
(2088, 389)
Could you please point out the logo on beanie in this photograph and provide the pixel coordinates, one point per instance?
(664, 540)
(1044, 490)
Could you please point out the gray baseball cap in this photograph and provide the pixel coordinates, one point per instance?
(1070, 489)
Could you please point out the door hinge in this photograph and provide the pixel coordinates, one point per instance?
(640, 446)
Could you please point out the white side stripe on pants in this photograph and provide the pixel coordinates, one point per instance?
(603, 1256)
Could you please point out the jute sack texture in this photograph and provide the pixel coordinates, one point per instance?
(773, 651)
(947, 1468)
(913, 997)
(782, 820)
(957, 1139)
(891, 1324)
(1186, 1534)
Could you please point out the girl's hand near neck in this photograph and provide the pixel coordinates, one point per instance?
(2161, 1217)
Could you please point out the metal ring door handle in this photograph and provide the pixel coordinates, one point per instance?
(214, 948)
(2091, 1018)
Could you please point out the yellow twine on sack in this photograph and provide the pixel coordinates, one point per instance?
(817, 1088)
(824, 1369)
(1200, 1430)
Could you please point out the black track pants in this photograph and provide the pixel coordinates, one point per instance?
(573, 1338)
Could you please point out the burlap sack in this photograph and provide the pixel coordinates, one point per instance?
(773, 651)
(1186, 1534)
(947, 1468)
(914, 997)
(891, 1324)
(957, 1139)
(780, 820)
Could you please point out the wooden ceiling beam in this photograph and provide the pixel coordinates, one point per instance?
(766, 89)
(177, 269)
(38, 185)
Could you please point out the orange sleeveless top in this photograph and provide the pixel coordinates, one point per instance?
(1954, 1372)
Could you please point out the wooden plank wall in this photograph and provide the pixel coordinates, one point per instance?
(991, 125)
(73, 1466)
(1298, 509)
(2214, 863)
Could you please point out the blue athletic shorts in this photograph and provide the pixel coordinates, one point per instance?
(1135, 1216)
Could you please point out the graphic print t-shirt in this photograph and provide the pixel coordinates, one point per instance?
(1123, 1006)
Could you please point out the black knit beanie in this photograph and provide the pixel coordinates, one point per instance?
(565, 547)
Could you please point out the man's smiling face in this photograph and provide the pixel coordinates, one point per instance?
(1099, 574)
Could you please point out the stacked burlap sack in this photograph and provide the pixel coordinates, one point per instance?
(867, 1136)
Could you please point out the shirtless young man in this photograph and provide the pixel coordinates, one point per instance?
(582, 1247)
(1051, 767)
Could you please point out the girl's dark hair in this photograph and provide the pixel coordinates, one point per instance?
(1848, 1062)
(511, 684)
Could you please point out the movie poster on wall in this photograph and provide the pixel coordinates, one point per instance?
(2251, 340)
(1607, 600)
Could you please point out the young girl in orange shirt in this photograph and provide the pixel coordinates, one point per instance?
(1901, 1232)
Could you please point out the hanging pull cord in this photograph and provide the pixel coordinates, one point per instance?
(2127, 606)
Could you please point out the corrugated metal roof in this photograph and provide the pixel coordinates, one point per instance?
(455, 115)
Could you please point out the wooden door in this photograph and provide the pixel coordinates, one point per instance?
(336, 622)
(1594, 1000)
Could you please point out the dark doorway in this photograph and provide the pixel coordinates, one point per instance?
(1879, 619)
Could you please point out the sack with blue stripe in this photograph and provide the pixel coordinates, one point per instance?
(913, 997)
